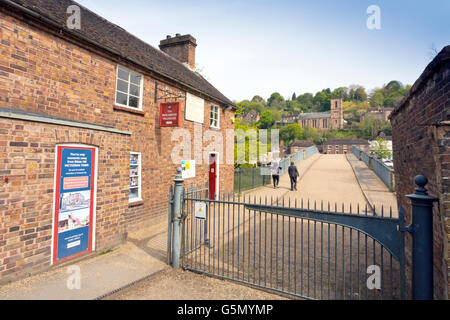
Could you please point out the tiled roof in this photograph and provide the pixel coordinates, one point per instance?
(104, 33)
(309, 115)
(314, 115)
(301, 143)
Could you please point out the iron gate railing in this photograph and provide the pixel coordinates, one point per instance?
(304, 249)
(294, 249)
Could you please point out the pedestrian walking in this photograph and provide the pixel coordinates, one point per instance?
(293, 174)
(275, 171)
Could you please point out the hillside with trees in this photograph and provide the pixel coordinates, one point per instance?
(356, 101)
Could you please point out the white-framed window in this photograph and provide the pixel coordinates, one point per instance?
(135, 184)
(129, 88)
(214, 116)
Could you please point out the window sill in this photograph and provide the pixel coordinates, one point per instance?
(135, 203)
(130, 110)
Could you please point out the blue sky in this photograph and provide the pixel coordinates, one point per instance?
(259, 47)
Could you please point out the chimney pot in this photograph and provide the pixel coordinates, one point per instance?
(181, 47)
(168, 37)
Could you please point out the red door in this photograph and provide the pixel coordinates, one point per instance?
(212, 176)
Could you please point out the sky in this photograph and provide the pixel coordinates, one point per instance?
(252, 47)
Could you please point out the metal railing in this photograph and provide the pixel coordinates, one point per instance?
(280, 245)
(254, 177)
(356, 152)
(385, 173)
(303, 249)
(365, 157)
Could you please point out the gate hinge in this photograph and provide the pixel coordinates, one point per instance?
(409, 229)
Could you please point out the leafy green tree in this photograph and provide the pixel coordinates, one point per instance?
(291, 132)
(258, 99)
(360, 94)
(311, 134)
(293, 96)
(393, 99)
(321, 100)
(266, 121)
(377, 99)
(340, 92)
(305, 101)
(380, 149)
(276, 101)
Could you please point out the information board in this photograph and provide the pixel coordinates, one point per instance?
(74, 202)
(188, 169)
(195, 108)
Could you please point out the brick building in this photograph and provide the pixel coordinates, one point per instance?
(377, 113)
(421, 145)
(322, 121)
(298, 145)
(344, 146)
(249, 117)
(97, 87)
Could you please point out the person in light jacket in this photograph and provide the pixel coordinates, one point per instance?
(275, 171)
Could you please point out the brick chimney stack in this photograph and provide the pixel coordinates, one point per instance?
(181, 48)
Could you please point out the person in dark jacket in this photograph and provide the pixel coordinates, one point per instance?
(293, 174)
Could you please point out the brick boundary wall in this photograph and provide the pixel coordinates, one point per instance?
(421, 145)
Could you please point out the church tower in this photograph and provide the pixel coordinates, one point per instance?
(337, 113)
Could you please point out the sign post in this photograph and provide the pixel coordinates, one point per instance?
(74, 202)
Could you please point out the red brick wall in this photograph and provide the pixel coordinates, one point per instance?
(421, 147)
(340, 149)
(44, 74)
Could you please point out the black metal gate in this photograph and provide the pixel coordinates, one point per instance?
(303, 249)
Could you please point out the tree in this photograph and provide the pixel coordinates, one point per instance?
(360, 94)
(311, 134)
(293, 96)
(305, 101)
(290, 133)
(266, 121)
(258, 99)
(321, 100)
(377, 99)
(276, 101)
(380, 149)
(340, 92)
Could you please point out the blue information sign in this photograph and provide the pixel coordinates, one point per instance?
(74, 201)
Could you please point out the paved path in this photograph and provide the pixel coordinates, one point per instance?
(376, 192)
(269, 191)
(99, 274)
(329, 180)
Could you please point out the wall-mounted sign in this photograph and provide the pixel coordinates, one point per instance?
(200, 210)
(169, 114)
(188, 169)
(195, 108)
(74, 202)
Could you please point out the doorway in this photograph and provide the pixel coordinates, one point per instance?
(213, 175)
